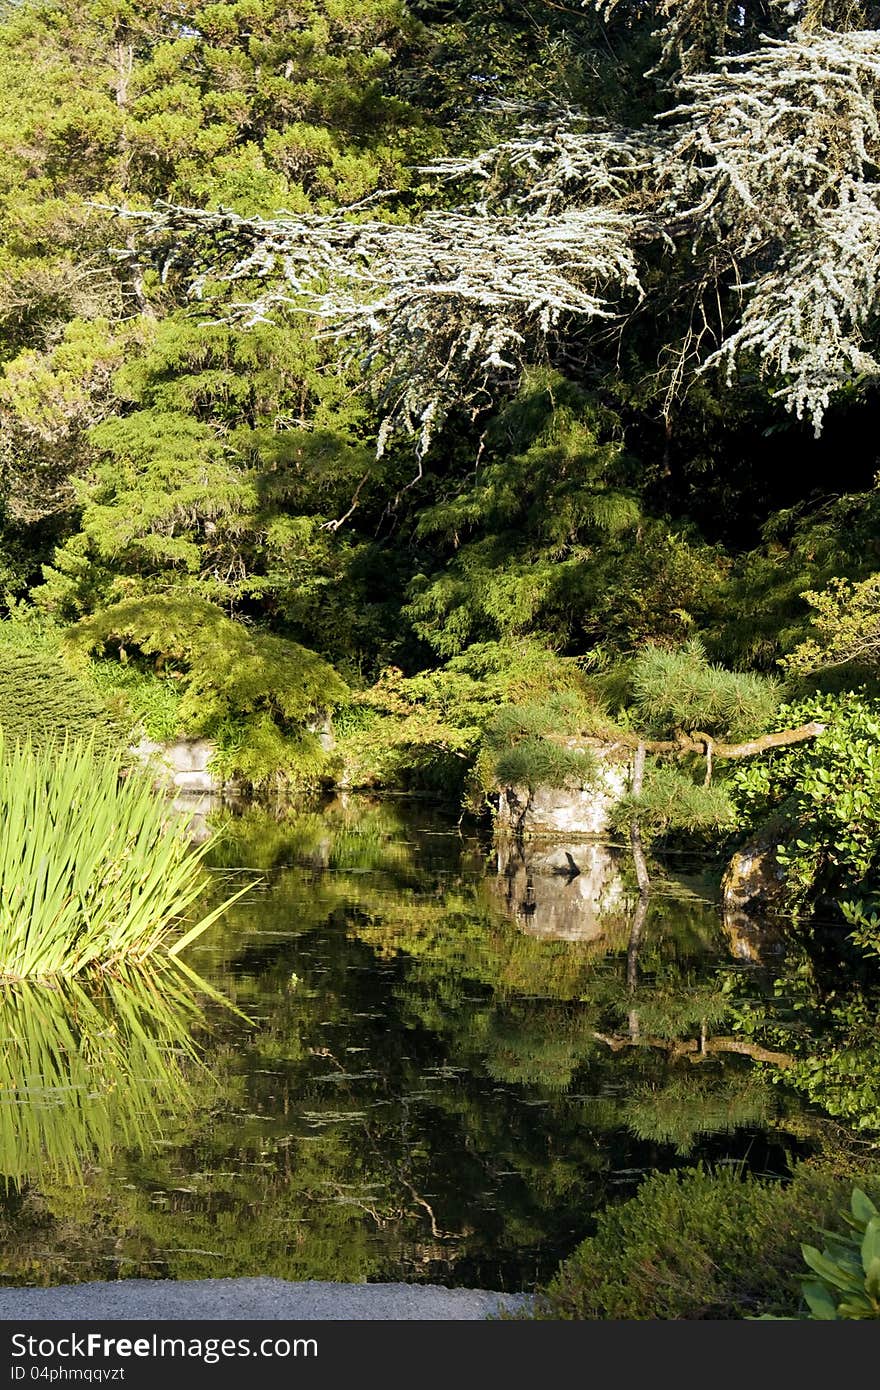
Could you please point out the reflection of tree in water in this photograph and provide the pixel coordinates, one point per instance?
(434, 1096)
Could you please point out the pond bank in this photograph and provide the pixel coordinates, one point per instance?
(262, 1299)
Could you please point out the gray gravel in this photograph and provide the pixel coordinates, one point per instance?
(266, 1299)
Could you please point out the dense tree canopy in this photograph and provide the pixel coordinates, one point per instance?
(431, 356)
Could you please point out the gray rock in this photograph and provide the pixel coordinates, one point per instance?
(568, 812)
(181, 766)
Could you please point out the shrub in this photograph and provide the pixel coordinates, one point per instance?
(683, 689)
(44, 703)
(259, 695)
(94, 871)
(848, 1269)
(697, 1244)
(828, 793)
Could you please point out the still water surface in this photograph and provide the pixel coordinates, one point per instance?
(444, 1061)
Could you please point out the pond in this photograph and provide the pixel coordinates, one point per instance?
(440, 1062)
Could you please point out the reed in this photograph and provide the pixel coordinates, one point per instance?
(95, 870)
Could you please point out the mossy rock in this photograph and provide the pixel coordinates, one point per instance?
(44, 702)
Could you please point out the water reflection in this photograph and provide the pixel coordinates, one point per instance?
(85, 1071)
(563, 892)
(434, 1087)
(751, 939)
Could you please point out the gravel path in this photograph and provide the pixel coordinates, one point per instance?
(275, 1299)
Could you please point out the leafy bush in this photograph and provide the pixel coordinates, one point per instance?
(257, 693)
(827, 791)
(697, 1244)
(447, 728)
(848, 1285)
(89, 1067)
(145, 700)
(94, 871)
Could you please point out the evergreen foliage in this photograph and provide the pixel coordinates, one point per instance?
(257, 692)
(44, 704)
(451, 306)
(681, 689)
(518, 750)
(672, 800)
(698, 1244)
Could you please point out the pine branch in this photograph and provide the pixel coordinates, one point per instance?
(703, 744)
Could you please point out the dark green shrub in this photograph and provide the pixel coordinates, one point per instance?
(698, 1244)
(42, 701)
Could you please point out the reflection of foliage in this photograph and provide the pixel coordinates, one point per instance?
(697, 1245)
(831, 1034)
(88, 1071)
(687, 1107)
(428, 1100)
(839, 1068)
(677, 1003)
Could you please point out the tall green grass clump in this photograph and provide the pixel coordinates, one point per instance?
(95, 871)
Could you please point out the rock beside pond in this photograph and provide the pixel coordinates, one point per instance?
(754, 881)
(564, 811)
(184, 765)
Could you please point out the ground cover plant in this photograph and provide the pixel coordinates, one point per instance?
(701, 1244)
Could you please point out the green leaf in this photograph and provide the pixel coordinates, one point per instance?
(871, 1243)
(872, 1280)
(829, 1271)
(820, 1302)
(862, 1206)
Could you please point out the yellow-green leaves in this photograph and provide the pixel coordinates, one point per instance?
(95, 871)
